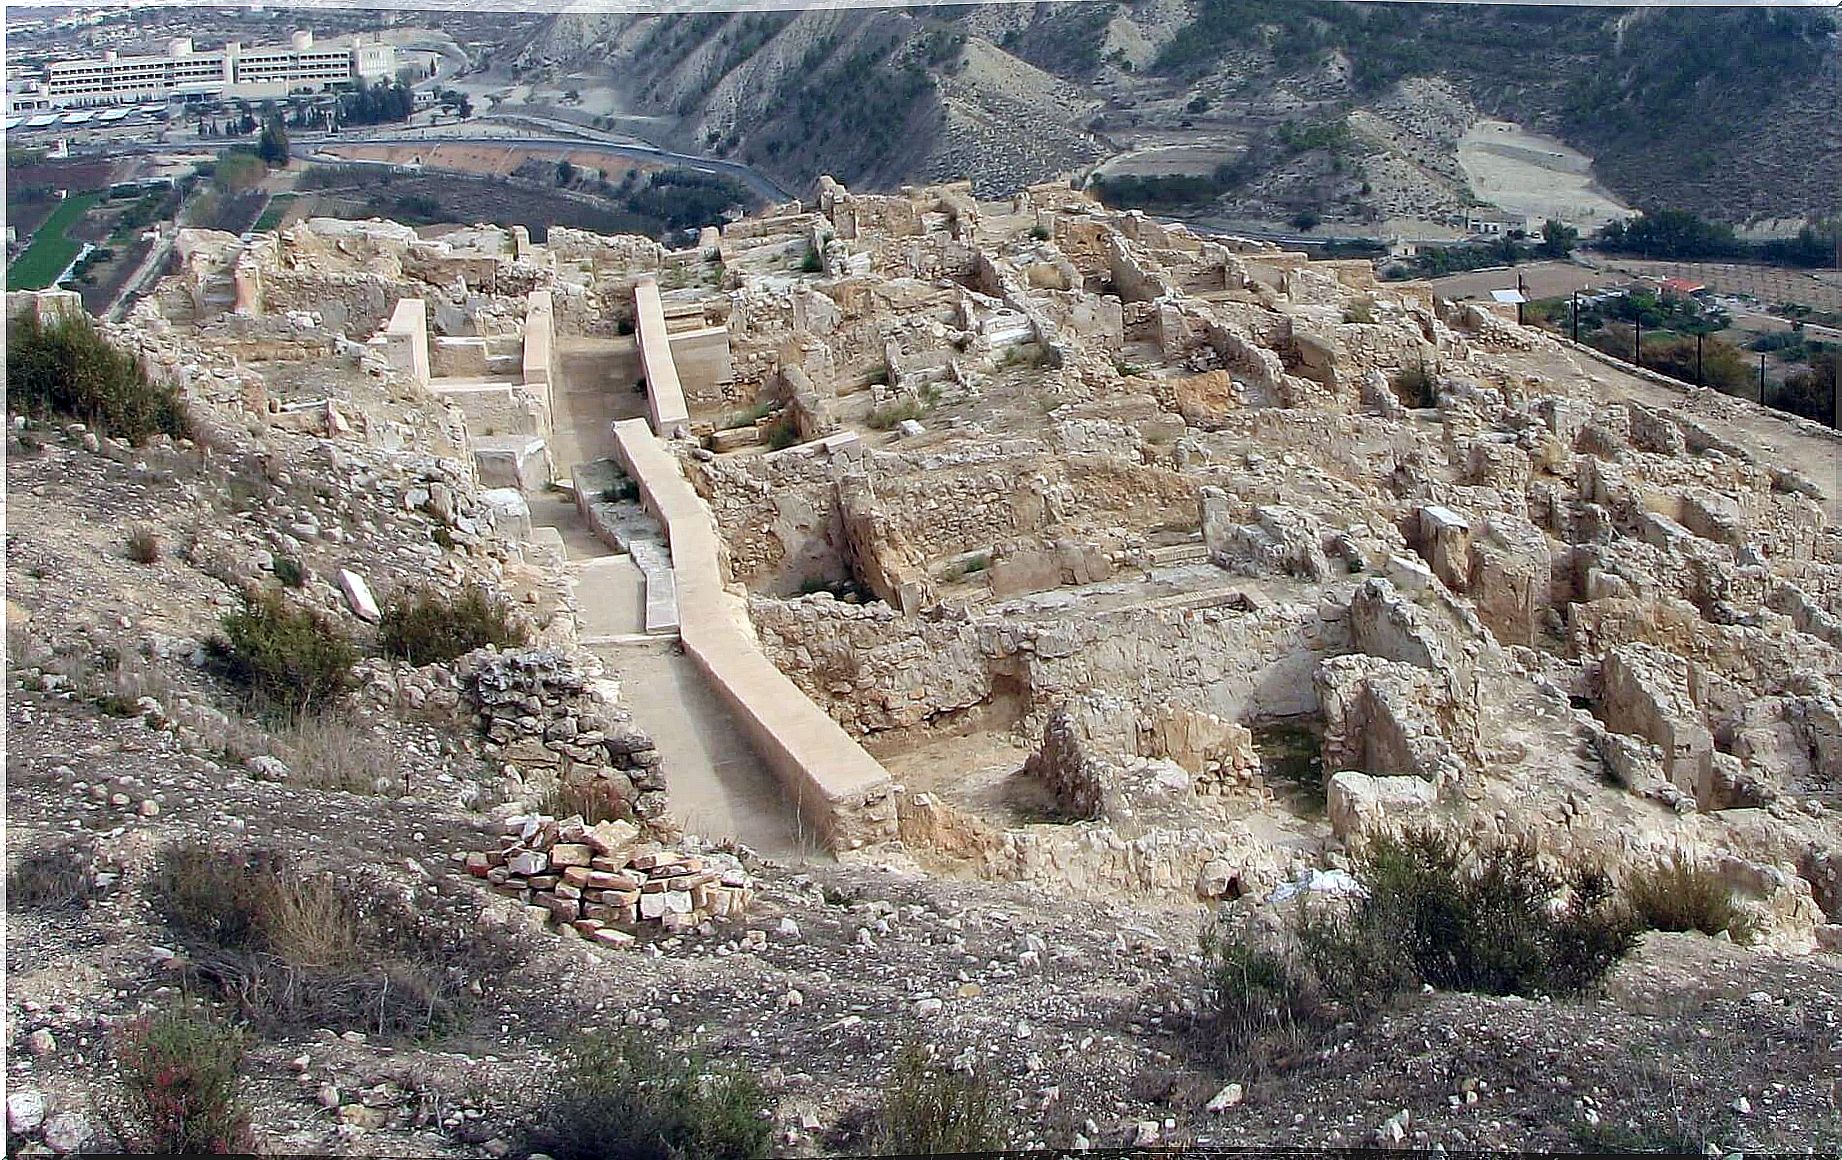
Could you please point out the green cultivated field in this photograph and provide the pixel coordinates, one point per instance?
(271, 217)
(50, 250)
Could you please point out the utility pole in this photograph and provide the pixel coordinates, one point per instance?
(1576, 316)
(1522, 295)
(1762, 378)
(1637, 340)
(1698, 337)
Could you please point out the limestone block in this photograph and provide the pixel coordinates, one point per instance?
(1445, 542)
(511, 515)
(1021, 572)
(1644, 690)
(358, 596)
(1207, 399)
(519, 462)
(1358, 803)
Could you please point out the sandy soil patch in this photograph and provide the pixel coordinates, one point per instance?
(1195, 160)
(1530, 174)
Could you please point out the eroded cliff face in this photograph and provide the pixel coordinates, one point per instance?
(1356, 114)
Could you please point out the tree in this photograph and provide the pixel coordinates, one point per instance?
(1812, 393)
(565, 173)
(1558, 239)
(1306, 220)
(272, 147)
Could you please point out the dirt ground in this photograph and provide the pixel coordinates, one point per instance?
(1542, 279)
(487, 160)
(1527, 173)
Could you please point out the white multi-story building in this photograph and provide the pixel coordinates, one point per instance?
(233, 71)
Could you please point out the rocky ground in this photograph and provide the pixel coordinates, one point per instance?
(1085, 1015)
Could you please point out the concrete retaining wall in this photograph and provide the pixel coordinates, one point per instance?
(664, 394)
(839, 789)
(539, 363)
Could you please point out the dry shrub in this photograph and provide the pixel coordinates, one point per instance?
(1458, 916)
(1680, 895)
(144, 546)
(928, 1110)
(67, 368)
(283, 656)
(295, 951)
(426, 627)
(620, 1098)
(1488, 918)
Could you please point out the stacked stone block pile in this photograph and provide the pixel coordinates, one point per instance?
(603, 880)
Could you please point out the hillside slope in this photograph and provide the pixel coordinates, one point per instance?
(1732, 112)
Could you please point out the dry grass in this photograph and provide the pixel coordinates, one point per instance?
(58, 876)
(596, 801)
(295, 951)
(1680, 895)
(331, 751)
(930, 1111)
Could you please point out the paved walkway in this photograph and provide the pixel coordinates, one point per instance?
(717, 786)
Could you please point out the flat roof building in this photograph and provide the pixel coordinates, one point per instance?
(235, 71)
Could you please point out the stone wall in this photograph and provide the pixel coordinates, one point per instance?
(875, 671)
(551, 722)
(602, 881)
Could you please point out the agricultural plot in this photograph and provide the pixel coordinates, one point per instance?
(52, 249)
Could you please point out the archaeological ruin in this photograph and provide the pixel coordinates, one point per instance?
(1045, 543)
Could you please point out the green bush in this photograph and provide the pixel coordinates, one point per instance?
(620, 1098)
(425, 627)
(296, 951)
(181, 1087)
(283, 656)
(1484, 918)
(930, 1111)
(813, 262)
(66, 368)
(1679, 895)
(1434, 910)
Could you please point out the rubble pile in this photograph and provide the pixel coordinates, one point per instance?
(602, 880)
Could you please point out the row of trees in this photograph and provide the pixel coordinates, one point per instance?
(1683, 236)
